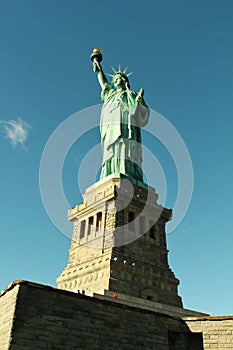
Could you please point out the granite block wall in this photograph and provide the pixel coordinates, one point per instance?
(49, 318)
(217, 331)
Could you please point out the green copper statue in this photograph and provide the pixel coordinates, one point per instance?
(123, 113)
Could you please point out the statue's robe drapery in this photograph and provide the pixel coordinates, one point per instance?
(121, 119)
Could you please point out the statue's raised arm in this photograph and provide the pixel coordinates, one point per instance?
(96, 58)
(124, 112)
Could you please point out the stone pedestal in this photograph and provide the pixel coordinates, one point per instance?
(119, 244)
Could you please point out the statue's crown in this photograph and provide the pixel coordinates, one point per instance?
(119, 71)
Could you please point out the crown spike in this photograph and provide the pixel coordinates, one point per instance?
(125, 70)
(128, 75)
(119, 67)
(114, 70)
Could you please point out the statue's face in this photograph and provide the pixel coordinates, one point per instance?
(119, 81)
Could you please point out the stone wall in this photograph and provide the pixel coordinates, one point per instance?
(49, 318)
(217, 331)
(33, 316)
(7, 310)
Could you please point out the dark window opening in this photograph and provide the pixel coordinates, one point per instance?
(142, 225)
(82, 229)
(149, 297)
(98, 221)
(131, 218)
(120, 221)
(152, 229)
(90, 225)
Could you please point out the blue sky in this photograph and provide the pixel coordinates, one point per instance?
(181, 52)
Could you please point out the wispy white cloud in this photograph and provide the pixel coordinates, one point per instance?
(16, 131)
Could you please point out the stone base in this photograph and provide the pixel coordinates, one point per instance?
(35, 316)
(119, 244)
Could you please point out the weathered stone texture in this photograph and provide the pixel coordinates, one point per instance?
(217, 331)
(7, 310)
(34, 316)
(49, 318)
(119, 244)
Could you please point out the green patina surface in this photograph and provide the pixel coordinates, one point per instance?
(124, 112)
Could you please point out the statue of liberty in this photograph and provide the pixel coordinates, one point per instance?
(124, 112)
